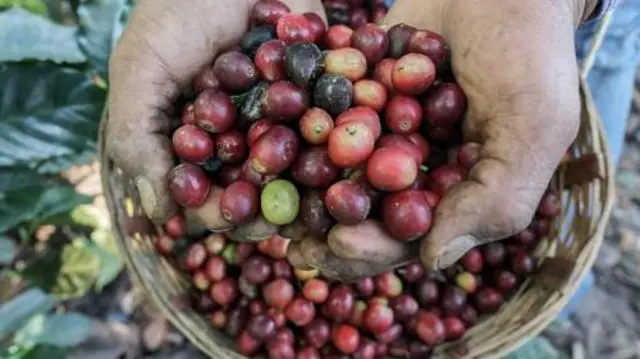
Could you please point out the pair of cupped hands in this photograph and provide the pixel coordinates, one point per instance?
(514, 59)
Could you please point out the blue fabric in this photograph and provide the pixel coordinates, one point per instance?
(612, 77)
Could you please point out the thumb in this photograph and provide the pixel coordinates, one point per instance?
(477, 211)
(497, 199)
(143, 152)
(138, 127)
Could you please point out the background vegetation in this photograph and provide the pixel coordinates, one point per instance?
(55, 243)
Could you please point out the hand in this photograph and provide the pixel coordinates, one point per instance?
(165, 44)
(515, 61)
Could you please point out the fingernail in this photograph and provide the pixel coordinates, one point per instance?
(147, 196)
(454, 250)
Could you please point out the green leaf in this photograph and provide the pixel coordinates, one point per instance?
(103, 243)
(60, 330)
(27, 36)
(17, 311)
(103, 238)
(37, 204)
(46, 352)
(8, 250)
(35, 6)
(101, 24)
(48, 114)
(13, 178)
(79, 269)
(43, 271)
(34, 352)
(92, 216)
(57, 164)
(111, 265)
(15, 352)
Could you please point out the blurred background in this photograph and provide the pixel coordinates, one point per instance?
(63, 290)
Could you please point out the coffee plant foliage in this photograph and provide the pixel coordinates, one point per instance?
(53, 85)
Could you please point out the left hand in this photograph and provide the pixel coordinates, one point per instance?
(515, 61)
(163, 47)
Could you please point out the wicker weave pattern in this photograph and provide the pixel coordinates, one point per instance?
(565, 256)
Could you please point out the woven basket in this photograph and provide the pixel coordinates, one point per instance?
(565, 256)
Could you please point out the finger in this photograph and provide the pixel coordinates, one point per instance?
(503, 189)
(138, 128)
(258, 229)
(209, 214)
(368, 241)
(496, 201)
(295, 257)
(475, 212)
(147, 158)
(294, 231)
(317, 254)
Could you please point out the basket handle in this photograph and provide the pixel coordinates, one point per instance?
(588, 61)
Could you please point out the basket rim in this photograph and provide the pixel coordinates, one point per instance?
(510, 342)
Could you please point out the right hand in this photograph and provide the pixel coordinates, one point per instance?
(515, 61)
(163, 47)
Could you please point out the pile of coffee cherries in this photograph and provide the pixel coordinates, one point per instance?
(310, 125)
